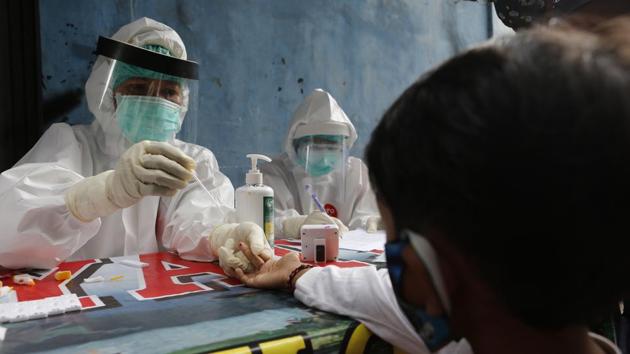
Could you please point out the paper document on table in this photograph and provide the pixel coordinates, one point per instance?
(361, 240)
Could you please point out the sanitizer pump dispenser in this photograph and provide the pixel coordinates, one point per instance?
(254, 200)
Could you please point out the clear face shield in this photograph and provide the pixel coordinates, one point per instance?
(323, 158)
(149, 91)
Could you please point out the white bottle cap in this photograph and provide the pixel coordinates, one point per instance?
(254, 176)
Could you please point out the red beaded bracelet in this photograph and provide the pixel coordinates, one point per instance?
(295, 273)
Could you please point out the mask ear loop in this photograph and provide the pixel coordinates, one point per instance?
(427, 254)
(307, 157)
(190, 124)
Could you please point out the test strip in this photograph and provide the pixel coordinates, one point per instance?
(96, 279)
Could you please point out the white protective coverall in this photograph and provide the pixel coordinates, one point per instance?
(366, 294)
(353, 204)
(38, 230)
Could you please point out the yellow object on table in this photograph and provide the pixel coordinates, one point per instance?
(63, 275)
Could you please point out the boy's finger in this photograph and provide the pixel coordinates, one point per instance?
(256, 261)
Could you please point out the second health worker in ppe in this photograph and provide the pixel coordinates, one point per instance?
(316, 161)
(119, 185)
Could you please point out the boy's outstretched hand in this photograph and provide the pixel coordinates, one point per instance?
(270, 272)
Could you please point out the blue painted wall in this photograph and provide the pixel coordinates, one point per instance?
(260, 58)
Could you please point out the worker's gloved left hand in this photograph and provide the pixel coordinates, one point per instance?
(373, 224)
(292, 225)
(224, 242)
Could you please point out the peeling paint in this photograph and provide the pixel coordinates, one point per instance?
(217, 82)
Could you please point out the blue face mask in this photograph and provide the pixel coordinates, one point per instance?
(434, 330)
(319, 154)
(318, 162)
(147, 118)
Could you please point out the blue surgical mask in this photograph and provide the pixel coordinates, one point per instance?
(320, 154)
(318, 162)
(147, 118)
(434, 330)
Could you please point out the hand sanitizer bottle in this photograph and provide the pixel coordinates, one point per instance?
(254, 200)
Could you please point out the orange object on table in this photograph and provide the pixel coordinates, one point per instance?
(63, 275)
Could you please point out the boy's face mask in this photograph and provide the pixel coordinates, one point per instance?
(147, 118)
(434, 330)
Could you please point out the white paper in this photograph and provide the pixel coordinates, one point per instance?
(361, 240)
(380, 258)
(7, 294)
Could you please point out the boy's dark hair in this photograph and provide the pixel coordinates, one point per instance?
(519, 153)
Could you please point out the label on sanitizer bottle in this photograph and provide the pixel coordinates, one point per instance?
(268, 219)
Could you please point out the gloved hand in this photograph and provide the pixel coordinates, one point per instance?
(146, 168)
(292, 225)
(224, 244)
(373, 224)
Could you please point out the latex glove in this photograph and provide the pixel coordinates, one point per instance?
(373, 224)
(146, 168)
(292, 225)
(224, 242)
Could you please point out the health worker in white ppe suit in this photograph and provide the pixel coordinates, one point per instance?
(315, 160)
(121, 185)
